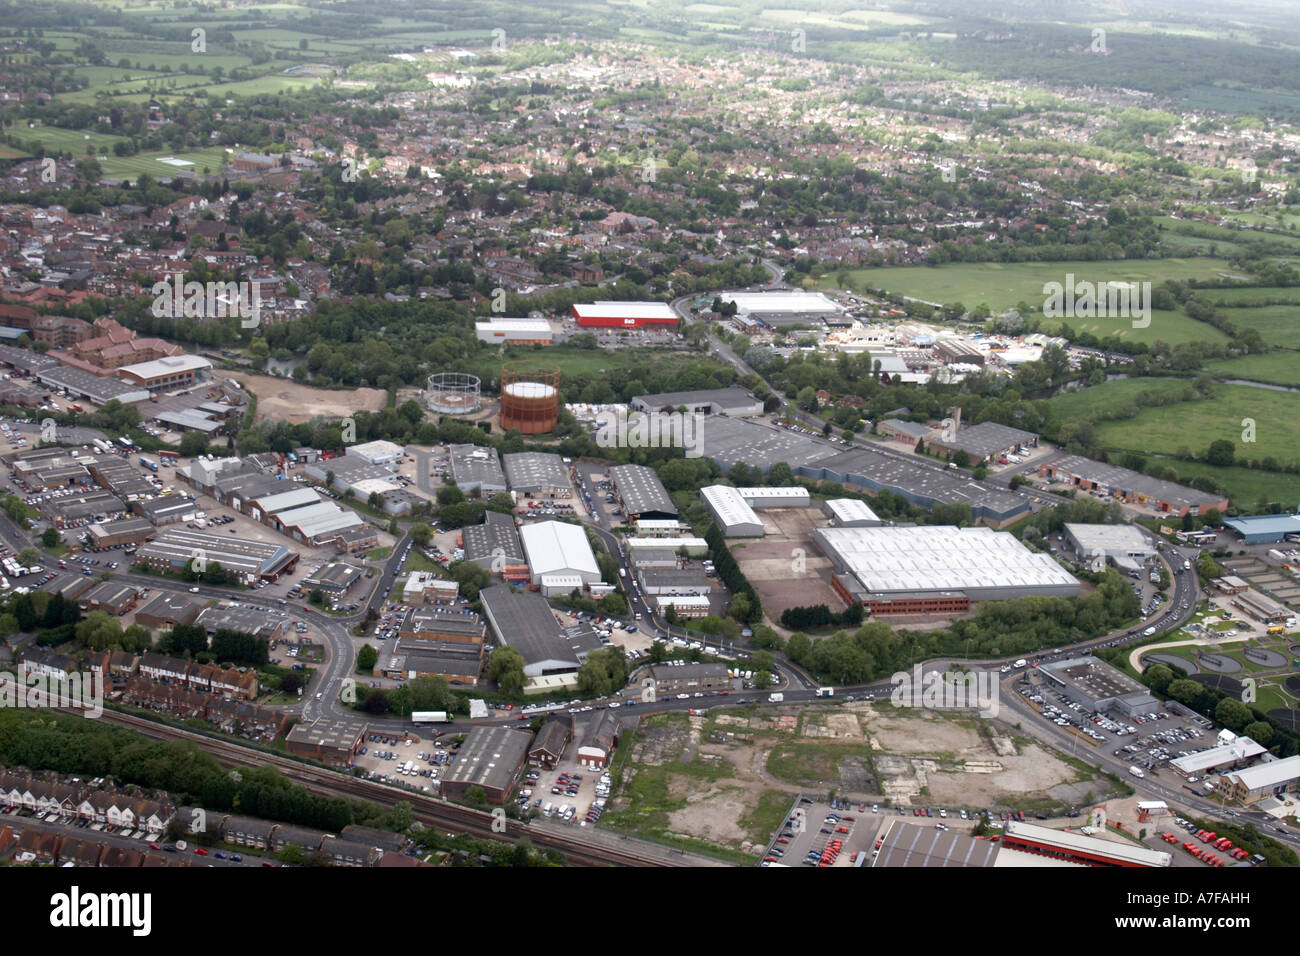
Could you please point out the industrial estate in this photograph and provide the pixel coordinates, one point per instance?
(627, 437)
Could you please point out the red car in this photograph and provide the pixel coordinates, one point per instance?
(154, 846)
(782, 840)
(200, 851)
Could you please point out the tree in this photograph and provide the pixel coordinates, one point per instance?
(291, 682)
(376, 702)
(763, 679)
(193, 444)
(29, 556)
(367, 658)
(421, 534)
(1220, 452)
(50, 538)
(506, 667)
(798, 648)
(316, 597)
(1232, 714)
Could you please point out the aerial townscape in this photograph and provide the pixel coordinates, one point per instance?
(606, 433)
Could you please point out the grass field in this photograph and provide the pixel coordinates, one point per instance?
(1002, 286)
(1245, 485)
(1195, 425)
(1082, 403)
(1277, 368)
(1277, 324)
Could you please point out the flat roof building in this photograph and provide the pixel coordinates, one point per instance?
(1079, 848)
(891, 569)
(377, 452)
(537, 474)
(266, 624)
(784, 309)
(334, 742)
(763, 497)
(335, 577)
(1232, 751)
(625, 315)
(170, 371)
(1265, 529)
(499, 330)
(1098, 686)
(1115, 542)
(476, 468)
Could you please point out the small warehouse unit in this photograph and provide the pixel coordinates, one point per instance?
(334, 742)
(850, 513)
(556, 547)
(491, 758)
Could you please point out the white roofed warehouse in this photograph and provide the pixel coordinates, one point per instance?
(732, 514)
(933, 569)
(558, 548)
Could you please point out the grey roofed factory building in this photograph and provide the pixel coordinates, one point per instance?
(168, 609)
(78, 507)
(1131, 485)
(334, 742)
(731, 512)
(732, 401)
(256, 621)
(688, 678)
(984, 441)
(497, 537)
(491, 758)
(523, 620)
(850, 513)
(783, 309)
(165, 509)
(983, 564)
(1123, 544)
(641, 492)
(476, 468)
(106, 534)
(97, 388)
(1098, 686)
(728, 441)
(335, 576)
(248, 559)
(406, 658)
(537, 473)
(673, 580)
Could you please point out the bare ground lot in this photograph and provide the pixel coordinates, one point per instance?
(728, 778)
(786, 568)
(281, 399)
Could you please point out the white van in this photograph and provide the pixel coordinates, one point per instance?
(546, 810)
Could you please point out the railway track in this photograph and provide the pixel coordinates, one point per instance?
(428, 810)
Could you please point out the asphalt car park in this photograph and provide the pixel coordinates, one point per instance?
(819, 834)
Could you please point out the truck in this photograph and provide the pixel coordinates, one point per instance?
(825, 691)
(1277, 555)
(776, 698)
(148, 463)
(1136, 771)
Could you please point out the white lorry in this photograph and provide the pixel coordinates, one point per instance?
(776, 698)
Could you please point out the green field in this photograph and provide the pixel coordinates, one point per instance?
(1079, 404)
(1002, 285)
(1245, 485)
(1194, 425)
(1277, 324)
(1277, 368)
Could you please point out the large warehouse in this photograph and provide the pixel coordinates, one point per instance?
(732, 514)
(537, 474)
(936, 569)
(503, 331)
(1123, 544)
(625, 315)
(782, 309)
(523, 620)
(557, 547)
(1266, 529)
(475, 468)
